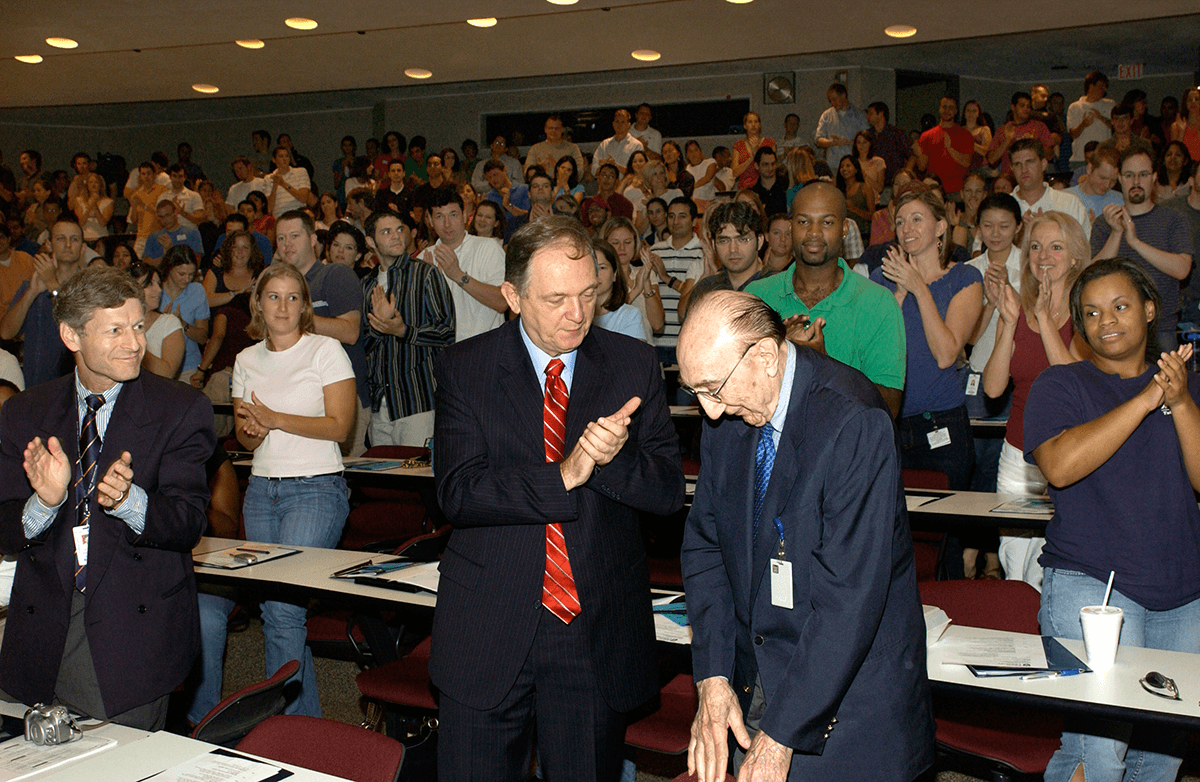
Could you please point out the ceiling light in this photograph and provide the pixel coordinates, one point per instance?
(300, 23)
(739, 2)
(250, 43)
(563, 2)
(207, 89)
(29, 58)
(489, 21)
(62, 43)
(646, 55)
(417, 73)
(901, 31)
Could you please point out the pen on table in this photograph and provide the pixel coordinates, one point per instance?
(253, 550)
(350, 569)
(1051, 674)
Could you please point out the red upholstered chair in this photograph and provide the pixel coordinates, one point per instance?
(388, 514)
(403, 682)
(235, 716)
(329, 747)
(667, 730)
(1010, 738)
(927, 546)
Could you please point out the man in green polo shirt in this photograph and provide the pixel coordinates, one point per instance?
(836, 311)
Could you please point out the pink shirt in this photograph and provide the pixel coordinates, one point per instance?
(1031, 129)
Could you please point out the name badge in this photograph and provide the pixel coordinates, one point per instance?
(973, 384)
(781, 583)
(81, 543)
(939, 438)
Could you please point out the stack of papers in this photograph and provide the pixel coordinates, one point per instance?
(243, 556)
(20, 759)
(1010, 655)
(671, 621)
(402, 574)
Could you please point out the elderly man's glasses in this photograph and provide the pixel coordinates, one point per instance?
(716, 395)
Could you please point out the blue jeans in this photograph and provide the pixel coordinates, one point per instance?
(1112, 751)
(214, 617)
(297, 512)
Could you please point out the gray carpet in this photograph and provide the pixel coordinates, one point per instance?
(340, 700)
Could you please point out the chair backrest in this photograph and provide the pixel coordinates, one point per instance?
(995, 605)
(231, 719)
(427, 547)
(924, 479)
(329, 747)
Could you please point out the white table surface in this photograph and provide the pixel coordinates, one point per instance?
(309, 570)
(975, 505)
(139, 754)
(1116, 690)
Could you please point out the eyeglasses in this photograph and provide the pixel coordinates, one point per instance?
(1162, 686)
(716, 395)
(742, 239)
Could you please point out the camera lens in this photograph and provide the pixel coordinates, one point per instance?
(37, 733)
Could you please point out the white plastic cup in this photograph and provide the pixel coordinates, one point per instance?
(1101, 632)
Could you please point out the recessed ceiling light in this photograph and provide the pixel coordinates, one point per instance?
(62, 43)
(250, 43)
(417, 73)
(646, 55)
(207, 89)
(901, 31)
(563, 2)
(300, 23)
(489, 21)
(739, 2)
(29, 58)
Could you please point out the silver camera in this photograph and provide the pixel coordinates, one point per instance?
(49, 725)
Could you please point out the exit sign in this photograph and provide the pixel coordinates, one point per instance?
(1130, 71)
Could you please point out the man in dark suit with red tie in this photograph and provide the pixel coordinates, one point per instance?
(102, 497)
(543, 615)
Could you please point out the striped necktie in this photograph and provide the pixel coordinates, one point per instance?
(85, 484)
(558, 585)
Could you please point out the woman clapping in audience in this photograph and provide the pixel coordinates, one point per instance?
(639, 281)
(613, 312)
(1034, 332)
(1118, 438)
(185, 297)
(233, 271)
(941, 302)
(293, 401)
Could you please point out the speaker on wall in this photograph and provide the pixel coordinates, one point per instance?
(779, 88)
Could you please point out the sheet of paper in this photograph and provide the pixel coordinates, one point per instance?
(1010, 651)
(671, 626)
(219, 767)
(936, 622)
(20, 759)
(914, 501)
(423, 575)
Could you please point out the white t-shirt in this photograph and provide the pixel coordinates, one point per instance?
(482, 259)
(293, 381)
(164, 326)
(983, 347)
(284, 201)
(162, 178)
(10, 369)
(1058, 201)
(1097, 131)
(651, 139)
(703, 192)
(239, 190)
(686, 263)
(186, 202)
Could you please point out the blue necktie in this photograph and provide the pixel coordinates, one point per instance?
(764, 460)
(85, 484)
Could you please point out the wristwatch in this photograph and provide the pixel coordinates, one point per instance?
(464, 280)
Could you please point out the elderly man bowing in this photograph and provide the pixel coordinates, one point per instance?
(808, 639)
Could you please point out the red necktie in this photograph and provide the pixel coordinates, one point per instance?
(558, 585)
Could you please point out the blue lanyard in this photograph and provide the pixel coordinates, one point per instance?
(779, 529)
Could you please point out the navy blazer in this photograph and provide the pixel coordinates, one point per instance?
(843, 672)
(141, 615)
(496, 488)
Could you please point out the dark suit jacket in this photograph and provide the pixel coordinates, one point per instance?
(141, 615)
(496, 488)
(853, 646)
